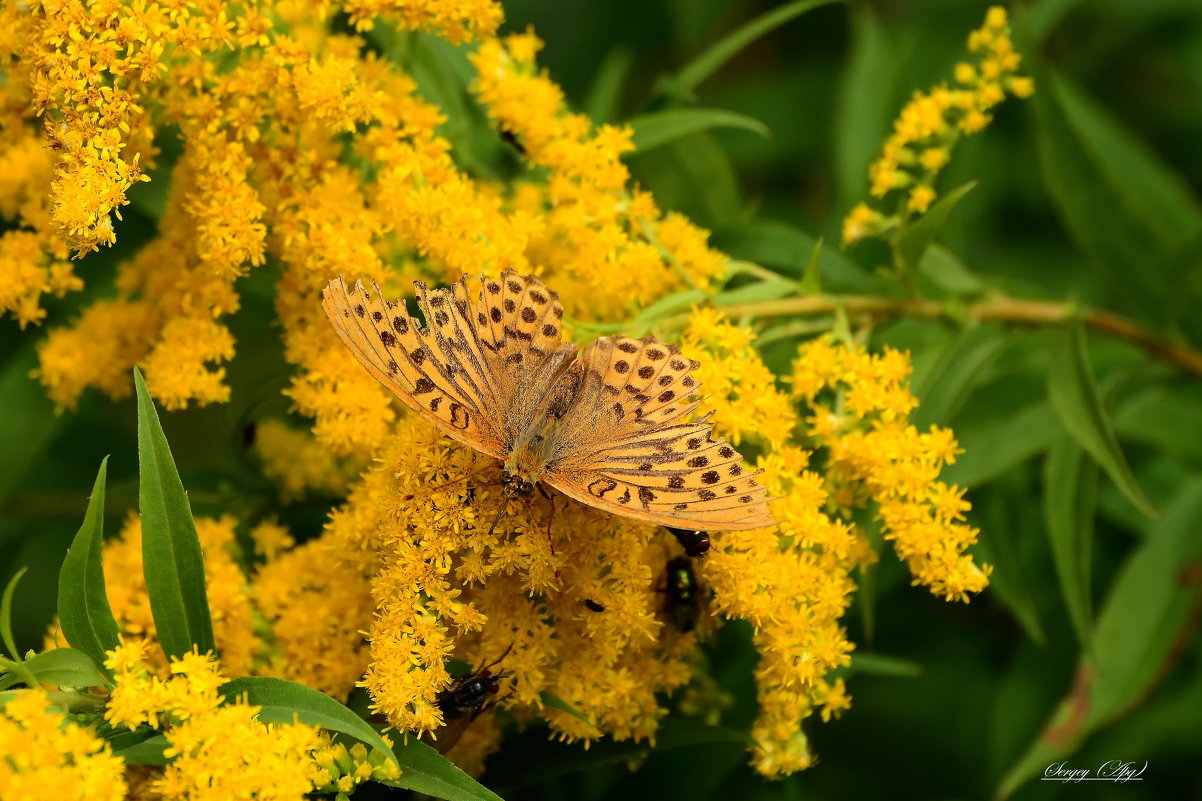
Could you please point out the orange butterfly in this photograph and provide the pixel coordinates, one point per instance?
(606, 426)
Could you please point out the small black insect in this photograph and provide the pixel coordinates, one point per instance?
(511, 139)
(464, 700)
(682, 596)
(593, 606)
(695, 543)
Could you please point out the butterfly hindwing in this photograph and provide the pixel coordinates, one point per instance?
(419, 366)
(641, 460)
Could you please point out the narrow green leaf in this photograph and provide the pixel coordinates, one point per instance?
(1088, 197)
(919, 236)
(682, 733)
(84, 613)
(864, 104)
(1006, 519)
(65, 667)
(993, 447)
(424, 770)
(1139, 634)
(148, 751)
(880, 665)
(1150, 189)
(670, 304)
(725, 48)
(811, 281)
(942, 389)
(29, 423)
(605, 93)
(791, 250)
(1070, 494)
(948, 273)
(6, 614)
(753, 293)
(282, 701)
(661, 127)
(1074, 394)
(555, 702)
(171, 553)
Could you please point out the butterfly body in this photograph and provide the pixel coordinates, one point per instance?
(610, 426)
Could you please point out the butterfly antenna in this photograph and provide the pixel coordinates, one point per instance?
(497, 519)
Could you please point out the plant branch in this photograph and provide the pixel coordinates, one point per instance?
(1000, 309)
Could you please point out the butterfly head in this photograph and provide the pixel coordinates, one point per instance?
(515, 485)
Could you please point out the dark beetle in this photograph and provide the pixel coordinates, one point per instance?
(695, 543)
(682, 596)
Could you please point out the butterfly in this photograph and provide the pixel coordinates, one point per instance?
(609, 426)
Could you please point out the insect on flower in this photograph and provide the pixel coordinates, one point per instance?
(682, 596)
(608, 427)
(695, 543)
(464, 700)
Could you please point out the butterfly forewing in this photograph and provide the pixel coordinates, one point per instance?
(420, 367)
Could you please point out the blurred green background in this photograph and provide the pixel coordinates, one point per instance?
(1088, 190)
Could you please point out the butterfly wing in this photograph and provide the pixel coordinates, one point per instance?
(441, 372)
(624, 444)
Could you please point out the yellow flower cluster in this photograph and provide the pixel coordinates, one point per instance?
(566, 593)
(299, 463)
(218, 750)
(932, 122)
(610, 247)
(737, 384)
(859, 408)
(47, 757)
(317, 609)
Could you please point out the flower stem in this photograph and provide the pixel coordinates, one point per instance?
(1000, 309)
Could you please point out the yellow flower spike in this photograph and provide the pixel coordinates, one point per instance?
(920, 199)
(48, 757)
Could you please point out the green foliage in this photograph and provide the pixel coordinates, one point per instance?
(1083, 647)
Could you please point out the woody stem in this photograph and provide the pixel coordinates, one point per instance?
(1002, 309)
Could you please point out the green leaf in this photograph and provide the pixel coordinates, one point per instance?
(942, 389)
(811, 281)
(1074, 394)
(996, 446)
(1139, 634)
(6, 614)
(604, 95)
(864, 104)
(682, 733)
(661, 127)
(65, 667)
(1070, 495)
(1006, 520)
(790, 249)
(85, 617)
(919, 235)
(424, 770)
(758, 291)
(880, 665)
(725, 48)
(171, 553)
(148, 751)
(1150, 189)
(948, 273)
(1092, 200)
(29, 423)
(282, 701)
(670, 304)
(555, 702)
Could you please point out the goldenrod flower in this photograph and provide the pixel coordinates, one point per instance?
(48, 757)
(928, 127)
